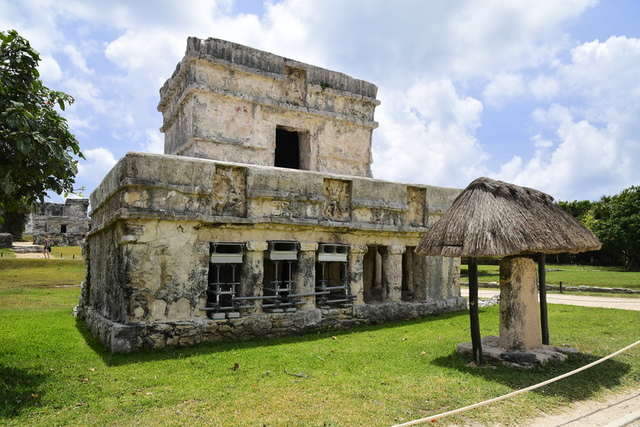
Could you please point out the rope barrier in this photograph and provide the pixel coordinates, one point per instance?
(506, 396)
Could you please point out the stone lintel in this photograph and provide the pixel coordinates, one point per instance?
(255, 246)
(308, 246)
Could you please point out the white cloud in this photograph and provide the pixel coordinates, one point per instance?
(77, 58)
(135, 50)
(593, 125)
(606, 75)
(87, 93)
(154, 142)
(587, 159)
(428, 136)
(49, 69)
(501, 36)
(544, 87)
(502, 88)
(98, 162)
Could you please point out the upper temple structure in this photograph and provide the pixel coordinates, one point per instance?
(232, 103)
(262, 217)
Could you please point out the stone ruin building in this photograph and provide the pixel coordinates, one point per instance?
(262, 218)
(66, 223)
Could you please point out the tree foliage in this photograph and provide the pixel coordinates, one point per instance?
(36, 148)
(615, 220)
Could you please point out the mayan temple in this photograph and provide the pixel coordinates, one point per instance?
(262, 218)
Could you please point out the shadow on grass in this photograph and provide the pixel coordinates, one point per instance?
(150, 355)
(576, 387)
(20, 390)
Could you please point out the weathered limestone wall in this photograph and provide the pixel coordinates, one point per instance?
(155, 217)
(225, 101)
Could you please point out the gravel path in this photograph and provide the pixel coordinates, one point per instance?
(585, 301)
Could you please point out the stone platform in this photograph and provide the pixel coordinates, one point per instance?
(26, 249)
(519, 359)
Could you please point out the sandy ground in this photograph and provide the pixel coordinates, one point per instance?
(36, 255)
(32, 255)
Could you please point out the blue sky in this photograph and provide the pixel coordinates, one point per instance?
(543, 94)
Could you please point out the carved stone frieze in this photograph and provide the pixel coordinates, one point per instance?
(229, 195)
(415, 206)
(337, 203)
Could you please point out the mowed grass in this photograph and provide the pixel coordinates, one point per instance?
(35, 284)
(573, 275)
(53, 372)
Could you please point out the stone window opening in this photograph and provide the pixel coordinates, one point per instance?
(225, 270)
(372, 275)
(332, 280)
(291, 148)
(63, 228)
(279, 278)
(287, 149)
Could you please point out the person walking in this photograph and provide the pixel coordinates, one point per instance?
(47, 247)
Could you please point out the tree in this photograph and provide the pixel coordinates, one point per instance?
(36, 148)
(578, 209)
(616, 222)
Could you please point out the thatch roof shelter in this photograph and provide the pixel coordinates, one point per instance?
(495, 218)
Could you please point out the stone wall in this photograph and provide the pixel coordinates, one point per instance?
(159, 219)
(122, 338)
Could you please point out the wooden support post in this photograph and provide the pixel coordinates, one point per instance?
(542, 283)
(476, 338)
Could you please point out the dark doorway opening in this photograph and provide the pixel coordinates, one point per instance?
(63, 228)
(372, 274)
(287, 149)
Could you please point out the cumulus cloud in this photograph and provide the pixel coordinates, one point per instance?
(428, 136)
(154, 142)
(503, 87)
(77, 58)
(98, 162)
(49, 69)
(544, 87)
(592, 125)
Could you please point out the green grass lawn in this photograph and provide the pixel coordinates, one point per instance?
(573, 275)
(6, 253)
(53, 372)
(57, 252)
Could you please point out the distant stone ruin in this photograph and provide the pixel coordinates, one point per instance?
(262, 218)
(66, 223)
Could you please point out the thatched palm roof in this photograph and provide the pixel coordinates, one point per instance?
(497, 218)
